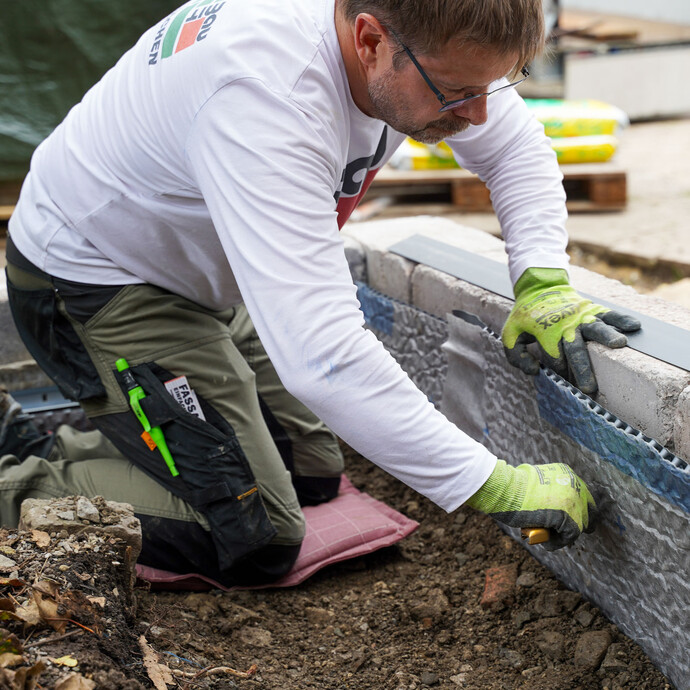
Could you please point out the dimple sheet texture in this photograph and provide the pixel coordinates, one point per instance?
(636, 566)
(413, 337)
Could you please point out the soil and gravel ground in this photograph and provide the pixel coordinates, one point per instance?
(404, 618)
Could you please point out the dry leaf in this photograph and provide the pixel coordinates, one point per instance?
(31, 675)
(8, 659)
(12, 582)
(28, 613)
(48, 611)
(9, 643)
(7, 610)
(40, 538)
(67, 660)
(47, 587)
(160, 674)
(7, 604)
(75, 681)
(23, 678)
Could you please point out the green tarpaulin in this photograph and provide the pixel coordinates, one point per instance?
(51, 52)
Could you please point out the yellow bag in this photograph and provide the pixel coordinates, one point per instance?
(563, 118)
(596, 149)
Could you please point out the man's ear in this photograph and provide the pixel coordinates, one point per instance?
(371, 40)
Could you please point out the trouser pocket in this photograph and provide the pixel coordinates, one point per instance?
(53, 342)
(214, 475)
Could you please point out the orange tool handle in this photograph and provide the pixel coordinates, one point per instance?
(534, 535)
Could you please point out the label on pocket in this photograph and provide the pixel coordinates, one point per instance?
(183, 393)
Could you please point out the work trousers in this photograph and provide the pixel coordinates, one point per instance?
(244, 466)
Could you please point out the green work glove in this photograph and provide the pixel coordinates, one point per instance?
(548, 311)
(550, 496)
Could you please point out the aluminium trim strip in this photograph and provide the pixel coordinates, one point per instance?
(46, 399)
(656, 338)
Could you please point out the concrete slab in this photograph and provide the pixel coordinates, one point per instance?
(681, 426)
(652, 229)
(638, 389)
(641, 390)
(439, 294)
(677, 293)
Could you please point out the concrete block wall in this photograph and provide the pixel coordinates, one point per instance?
(648, 394)
(622, 443)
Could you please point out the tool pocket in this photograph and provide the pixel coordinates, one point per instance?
(52, 341)
(214, 474)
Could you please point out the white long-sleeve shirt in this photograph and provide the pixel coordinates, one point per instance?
(218, 160)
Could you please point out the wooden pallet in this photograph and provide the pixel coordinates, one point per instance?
(596, 187)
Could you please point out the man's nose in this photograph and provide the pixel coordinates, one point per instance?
(474, 110)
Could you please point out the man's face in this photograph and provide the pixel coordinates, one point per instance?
(401, 98)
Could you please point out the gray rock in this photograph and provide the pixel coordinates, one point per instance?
(460, 518)
(433, 606)
(429, 678)
(461, 558)
(511, 658)
(255, 637)
(87, 510)
(49, 515)
(591, 648)
(522, 617)
(318, 616)
(616, 658)
(568, 601)
(526, 580)
(622, 681)
(549, 604)
(477, 549)
(584, 616)
(6, 564)
(546, 604)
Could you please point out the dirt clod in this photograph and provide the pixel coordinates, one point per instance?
(591, 648)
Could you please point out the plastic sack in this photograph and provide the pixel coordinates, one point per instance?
(412, 155)
(582, 118)
(594, 149)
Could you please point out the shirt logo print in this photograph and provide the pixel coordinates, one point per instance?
(189, 26)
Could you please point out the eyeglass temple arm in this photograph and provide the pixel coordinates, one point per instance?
(441, 98)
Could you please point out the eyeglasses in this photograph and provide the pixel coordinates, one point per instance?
(445, 103)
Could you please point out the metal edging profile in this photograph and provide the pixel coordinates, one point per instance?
(656, 338)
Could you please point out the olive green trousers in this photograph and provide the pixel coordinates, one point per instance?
(225, 365)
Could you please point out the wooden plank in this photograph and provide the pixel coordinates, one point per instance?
(599, 24)
(470, 194)
(6, 212)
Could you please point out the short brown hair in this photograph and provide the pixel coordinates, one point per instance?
(425, 26)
